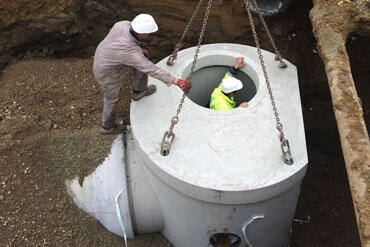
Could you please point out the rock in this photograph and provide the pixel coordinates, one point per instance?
(46, 124)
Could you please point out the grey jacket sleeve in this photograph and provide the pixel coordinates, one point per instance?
(136, 59)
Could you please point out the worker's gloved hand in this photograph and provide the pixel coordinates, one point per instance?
(184, 85)
(239, 62)
(145, 52)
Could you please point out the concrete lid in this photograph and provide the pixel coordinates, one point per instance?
(230, 156)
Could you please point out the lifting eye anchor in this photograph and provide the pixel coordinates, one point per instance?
(170, 61)
(167, 141)
(245, 225)
(287, 156)
(173, 56)
(282, 64)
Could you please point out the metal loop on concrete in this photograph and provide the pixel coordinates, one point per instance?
(119, 217)
(279, 126)
(287, 156)
(166, 144)
(278, 56)
(244, 228)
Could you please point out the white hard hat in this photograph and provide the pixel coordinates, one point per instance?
(231, 84)
(143, 24)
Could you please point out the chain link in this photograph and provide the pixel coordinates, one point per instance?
(196, 54)
(175, 119)
(279, 125)
(277, 53)
(178, 46)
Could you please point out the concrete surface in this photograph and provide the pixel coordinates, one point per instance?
(235, 151)
(96, 195)
(224, 169)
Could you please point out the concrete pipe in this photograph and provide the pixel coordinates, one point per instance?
(224, 176)
(270, 7)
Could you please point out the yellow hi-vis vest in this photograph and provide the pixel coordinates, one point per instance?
(219, 101)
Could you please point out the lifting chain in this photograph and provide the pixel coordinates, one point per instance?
(169, 136)
(278, 56)
(285, 148)
(178, 46)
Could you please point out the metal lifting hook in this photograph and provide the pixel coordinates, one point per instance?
(170, 60)
(173, 56)
(287, 156)
(166, 144)
(282, 64)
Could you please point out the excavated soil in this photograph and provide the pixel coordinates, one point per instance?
(49, 113)
(48, 129)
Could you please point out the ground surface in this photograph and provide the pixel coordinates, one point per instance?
(48, 131)
(49, 111)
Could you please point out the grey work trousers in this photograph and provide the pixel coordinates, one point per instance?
(112, 86)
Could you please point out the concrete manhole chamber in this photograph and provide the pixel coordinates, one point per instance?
(224, 174)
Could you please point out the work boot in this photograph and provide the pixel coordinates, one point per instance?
(139, 95)
(108, 131)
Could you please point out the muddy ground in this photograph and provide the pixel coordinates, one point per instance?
(49, 115)
(49, 112)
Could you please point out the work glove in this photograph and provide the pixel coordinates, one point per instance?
(145, 52)
(184, 85)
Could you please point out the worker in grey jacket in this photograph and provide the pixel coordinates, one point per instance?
(121, 50)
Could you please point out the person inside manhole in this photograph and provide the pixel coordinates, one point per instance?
(222, 97)
(121, 50)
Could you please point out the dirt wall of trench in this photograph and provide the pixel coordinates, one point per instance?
(67, 28)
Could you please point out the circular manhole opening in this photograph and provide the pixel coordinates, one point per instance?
(206, 79)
